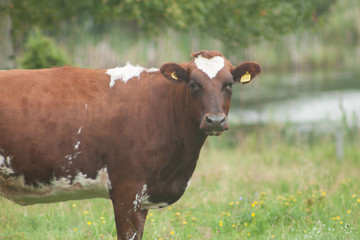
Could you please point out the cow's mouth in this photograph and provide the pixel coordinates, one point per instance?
(213, 132)
(214, 124)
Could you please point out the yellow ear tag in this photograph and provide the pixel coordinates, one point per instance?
(174, 76)
(245, 78)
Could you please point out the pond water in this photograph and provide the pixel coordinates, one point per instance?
(299, 97)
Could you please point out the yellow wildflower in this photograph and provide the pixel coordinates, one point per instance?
(323, 193)
(184, 222)
(353, 196)
(172, 233)
(75, 229)
(189, 235)
(249, 234)
(348, 211)
(233, 225)
(253, 214)
(245, 224)
(74, 205)
(231, 203)
(220, 223)
(341, 222)
(358, 200)
(88, 223)
(177, 213)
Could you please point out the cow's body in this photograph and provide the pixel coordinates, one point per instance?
(127, 134)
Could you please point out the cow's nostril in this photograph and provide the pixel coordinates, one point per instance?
(223, 121)
(208, 119)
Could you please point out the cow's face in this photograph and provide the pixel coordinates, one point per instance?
(209, 78)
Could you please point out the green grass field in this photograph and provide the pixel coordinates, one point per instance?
(263, 187)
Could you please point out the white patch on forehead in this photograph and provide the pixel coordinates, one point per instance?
(79, 131)
(124, 73)
(59, 189)
(210, 66)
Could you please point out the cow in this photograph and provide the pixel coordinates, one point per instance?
(128, 134)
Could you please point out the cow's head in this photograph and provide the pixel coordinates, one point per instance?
(209, 79)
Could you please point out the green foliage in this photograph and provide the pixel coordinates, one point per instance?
(42, 52)
(234, 22)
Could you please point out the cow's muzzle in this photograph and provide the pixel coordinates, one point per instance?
(214, 124)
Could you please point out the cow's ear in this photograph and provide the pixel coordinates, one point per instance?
(174, 72)
(245, 72)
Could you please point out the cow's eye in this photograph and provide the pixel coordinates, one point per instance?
(193, 86)
(228, 87)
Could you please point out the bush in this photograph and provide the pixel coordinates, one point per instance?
(42, 52)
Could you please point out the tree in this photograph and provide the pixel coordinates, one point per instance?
(6, 49)
(235, 22)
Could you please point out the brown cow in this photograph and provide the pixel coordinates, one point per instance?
(128, 134)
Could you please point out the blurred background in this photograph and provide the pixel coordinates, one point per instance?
(309, 50)
(288, 167)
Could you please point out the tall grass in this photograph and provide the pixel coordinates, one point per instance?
(262, 186)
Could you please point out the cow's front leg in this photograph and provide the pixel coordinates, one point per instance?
(129, 217)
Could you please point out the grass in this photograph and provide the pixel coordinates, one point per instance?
(264, 188)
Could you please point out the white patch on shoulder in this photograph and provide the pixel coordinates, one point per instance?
(210, 66)
(151, 70)
(59, 189)
(124, 73)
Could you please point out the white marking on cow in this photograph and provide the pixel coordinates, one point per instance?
(152, 70)
(132, 237)
(68, 157)
(139, 198)
(5, 165)
(59, 189)
(150, 205)
(79, 131)
(124, 73)
(188, 184)
(210, 66)
(86, 106)
(76, 146)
